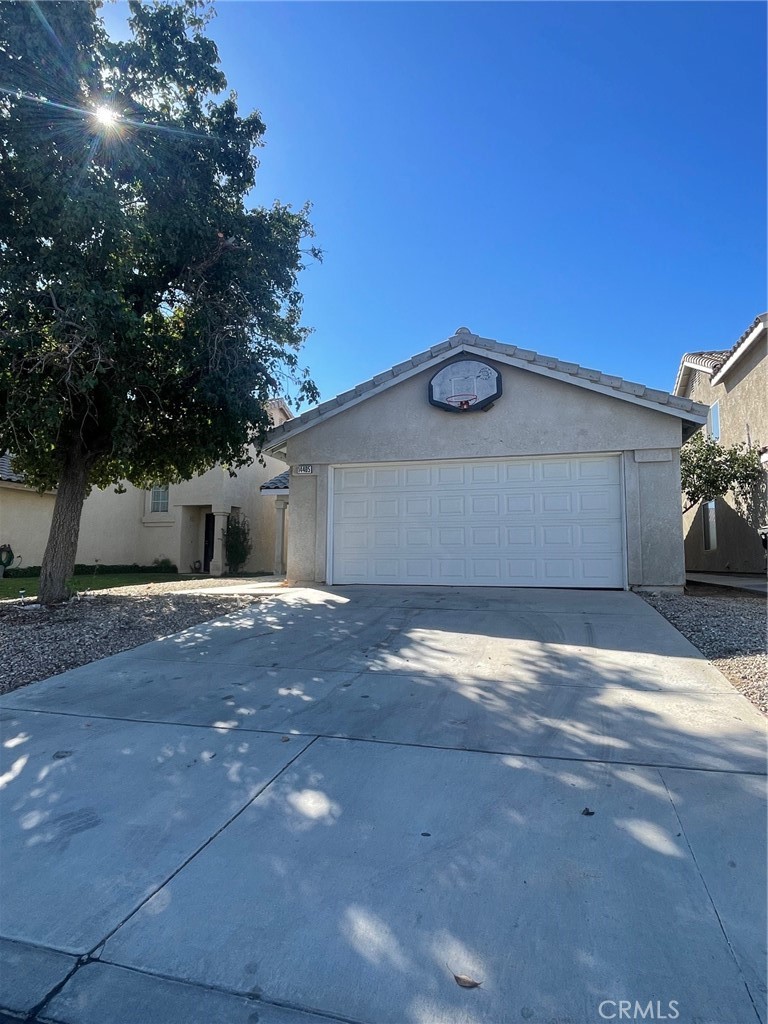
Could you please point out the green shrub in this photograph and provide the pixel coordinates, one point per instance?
(160, 565)
(237, 541)
(164, 565)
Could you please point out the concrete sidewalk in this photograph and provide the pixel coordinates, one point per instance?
(324, 806)
(731, 580)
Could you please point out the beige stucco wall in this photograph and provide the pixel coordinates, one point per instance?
(536, 415)
(25, 519)
(743, 399)
(119, 528)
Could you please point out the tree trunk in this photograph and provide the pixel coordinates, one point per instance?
(61, 549)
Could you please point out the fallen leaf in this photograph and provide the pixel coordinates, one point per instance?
(587, 813)
(285, 739)
(464, 982)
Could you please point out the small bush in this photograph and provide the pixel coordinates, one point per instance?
(237, 542)
(164, 565)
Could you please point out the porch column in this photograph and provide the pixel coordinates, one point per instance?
(281, 504)
(218, 562)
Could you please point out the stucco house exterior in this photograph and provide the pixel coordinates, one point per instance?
(181, 522)
(733, 382)
(479, 463)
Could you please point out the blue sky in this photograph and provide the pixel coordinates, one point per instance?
(583, 179)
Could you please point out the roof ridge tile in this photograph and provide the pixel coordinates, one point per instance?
(466, 339)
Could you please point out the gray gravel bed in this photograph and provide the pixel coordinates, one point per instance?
(729, 628)
(38, 642)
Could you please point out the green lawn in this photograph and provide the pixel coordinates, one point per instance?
(11, 587)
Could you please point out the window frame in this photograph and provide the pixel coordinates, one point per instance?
(162, 491)
(713, 421)
(709, 525)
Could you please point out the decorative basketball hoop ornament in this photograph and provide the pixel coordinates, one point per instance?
(464, 386)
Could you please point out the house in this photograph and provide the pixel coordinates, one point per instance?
(733, 382)
(25, 515)
(478, 463)
(179, 522)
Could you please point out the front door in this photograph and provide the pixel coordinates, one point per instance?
(210, 528)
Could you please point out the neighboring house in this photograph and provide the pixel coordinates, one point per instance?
(181, 522)
(477, 463)
(25, 515)
(734, 384)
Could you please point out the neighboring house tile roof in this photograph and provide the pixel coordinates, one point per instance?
(7, 473)
(277, 483)
(465, 341)
(715, 362)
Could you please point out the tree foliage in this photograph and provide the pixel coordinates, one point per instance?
(146, 311)
(709, 470)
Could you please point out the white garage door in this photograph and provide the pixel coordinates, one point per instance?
(552, 522)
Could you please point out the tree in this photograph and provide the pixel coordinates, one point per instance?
(237, 541)
(709, 470)
(146, 311)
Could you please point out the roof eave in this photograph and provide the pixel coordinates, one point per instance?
(738, 352)
(485, 349)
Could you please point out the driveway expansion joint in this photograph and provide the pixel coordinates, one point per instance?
(710, 897)
(259, 1000)
(102, 942)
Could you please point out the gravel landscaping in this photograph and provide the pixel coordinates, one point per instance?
(38, 642)
(729, 628)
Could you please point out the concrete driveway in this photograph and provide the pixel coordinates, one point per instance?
(327, 805)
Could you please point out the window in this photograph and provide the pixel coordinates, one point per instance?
(158, 499)
(709, 523)
(713, 421)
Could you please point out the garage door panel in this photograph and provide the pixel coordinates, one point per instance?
(521, 472)
(421, 507)
(556, 501)
(521, 571)
(558, 569)
(484, 473)
(606, 535)
(481, 536)
(451, 505)
(385, 508)
(555, 470)
(516, 504)
(385, 478)
(354, 508)
(521, 536)
(452, 536)
(351, 478)
(556, 536)
(598, 469)
(484, 504)
(595, 568)
(603, 502)
(421, 477)
(523, 522)
(450, 475)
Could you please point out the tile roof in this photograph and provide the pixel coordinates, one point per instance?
(761, 319)
(711, 362)
(277, 483)
(6, 472)
(463, 340)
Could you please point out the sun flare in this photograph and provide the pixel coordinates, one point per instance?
(106, 116)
